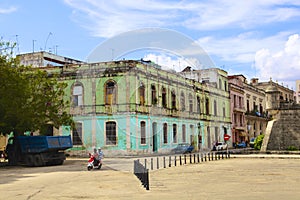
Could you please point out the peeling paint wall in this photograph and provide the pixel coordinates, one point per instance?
(129, 110)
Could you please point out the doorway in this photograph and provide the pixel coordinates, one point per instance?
(154, 137)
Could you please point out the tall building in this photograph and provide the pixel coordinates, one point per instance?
(216, 120)
(256, 116)
(237, 107)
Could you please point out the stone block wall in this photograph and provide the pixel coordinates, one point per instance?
(284, 131)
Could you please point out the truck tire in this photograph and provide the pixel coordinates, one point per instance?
(29, 160)
(37, 159)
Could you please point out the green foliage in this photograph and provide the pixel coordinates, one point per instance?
(29, 97)
(258, 142)
(292, 148)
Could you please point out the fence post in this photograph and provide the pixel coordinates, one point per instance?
(175, 161)
(212, 156)
(180, 160)
(147, 179)
(184, 159)
(164, 162)
(205, 157)
(194, 158)
(198, 157)
(208, 155)
(169, 161)
(157, 162)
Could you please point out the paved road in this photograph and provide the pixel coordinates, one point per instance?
(242, 177)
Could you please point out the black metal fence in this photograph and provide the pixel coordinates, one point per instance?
(142, 173)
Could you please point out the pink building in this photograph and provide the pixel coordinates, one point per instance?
(237, 108)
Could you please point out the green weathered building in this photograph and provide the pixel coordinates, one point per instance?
(132, 107)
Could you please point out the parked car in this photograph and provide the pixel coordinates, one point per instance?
(221, 146)
(241, 145)
(183, 148)
(251, 143)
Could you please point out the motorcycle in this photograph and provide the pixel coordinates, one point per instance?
(93, 163)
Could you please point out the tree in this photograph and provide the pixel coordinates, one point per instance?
(258, 142)
(29, 98)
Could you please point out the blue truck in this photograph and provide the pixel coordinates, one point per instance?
(39, 150)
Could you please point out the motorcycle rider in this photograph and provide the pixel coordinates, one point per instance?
(96, 157)
(100, 155)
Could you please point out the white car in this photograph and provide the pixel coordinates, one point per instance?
(221, 146)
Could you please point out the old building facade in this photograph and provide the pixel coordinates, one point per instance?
(237, 107)
(135, 107)
(132, 107)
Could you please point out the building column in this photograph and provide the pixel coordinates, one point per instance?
(94, 127)
(128, 142)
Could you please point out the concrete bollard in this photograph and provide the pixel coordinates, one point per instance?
(175, 161)
(180, 160)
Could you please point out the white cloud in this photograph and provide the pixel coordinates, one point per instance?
(241, 48)
(108, 18)
(282, 65)
(167, 62)
(8, 10)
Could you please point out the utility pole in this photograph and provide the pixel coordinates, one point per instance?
(33, 45)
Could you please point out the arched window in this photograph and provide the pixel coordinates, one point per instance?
(215, 108)
(110, 93)
(173, 99)
(111, 133)
(208, 137)
(207, 106)
(77, 134)
(77, 95)
(164, 97)
(153, 95)
(165, 133)
(142, 94)
(191, 103)
(183, 133)
(143, 132)
(182, 101)
(198, 105)
(174, 133)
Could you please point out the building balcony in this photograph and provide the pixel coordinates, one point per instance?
(255, 113)
(239, 127)
(239, 109)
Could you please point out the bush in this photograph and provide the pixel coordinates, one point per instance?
(292, 148)
(258, 142)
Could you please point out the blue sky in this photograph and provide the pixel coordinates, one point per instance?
(254, 38)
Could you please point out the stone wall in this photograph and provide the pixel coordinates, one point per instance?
(284, 130)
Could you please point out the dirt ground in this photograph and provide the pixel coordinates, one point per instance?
(236, 178)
